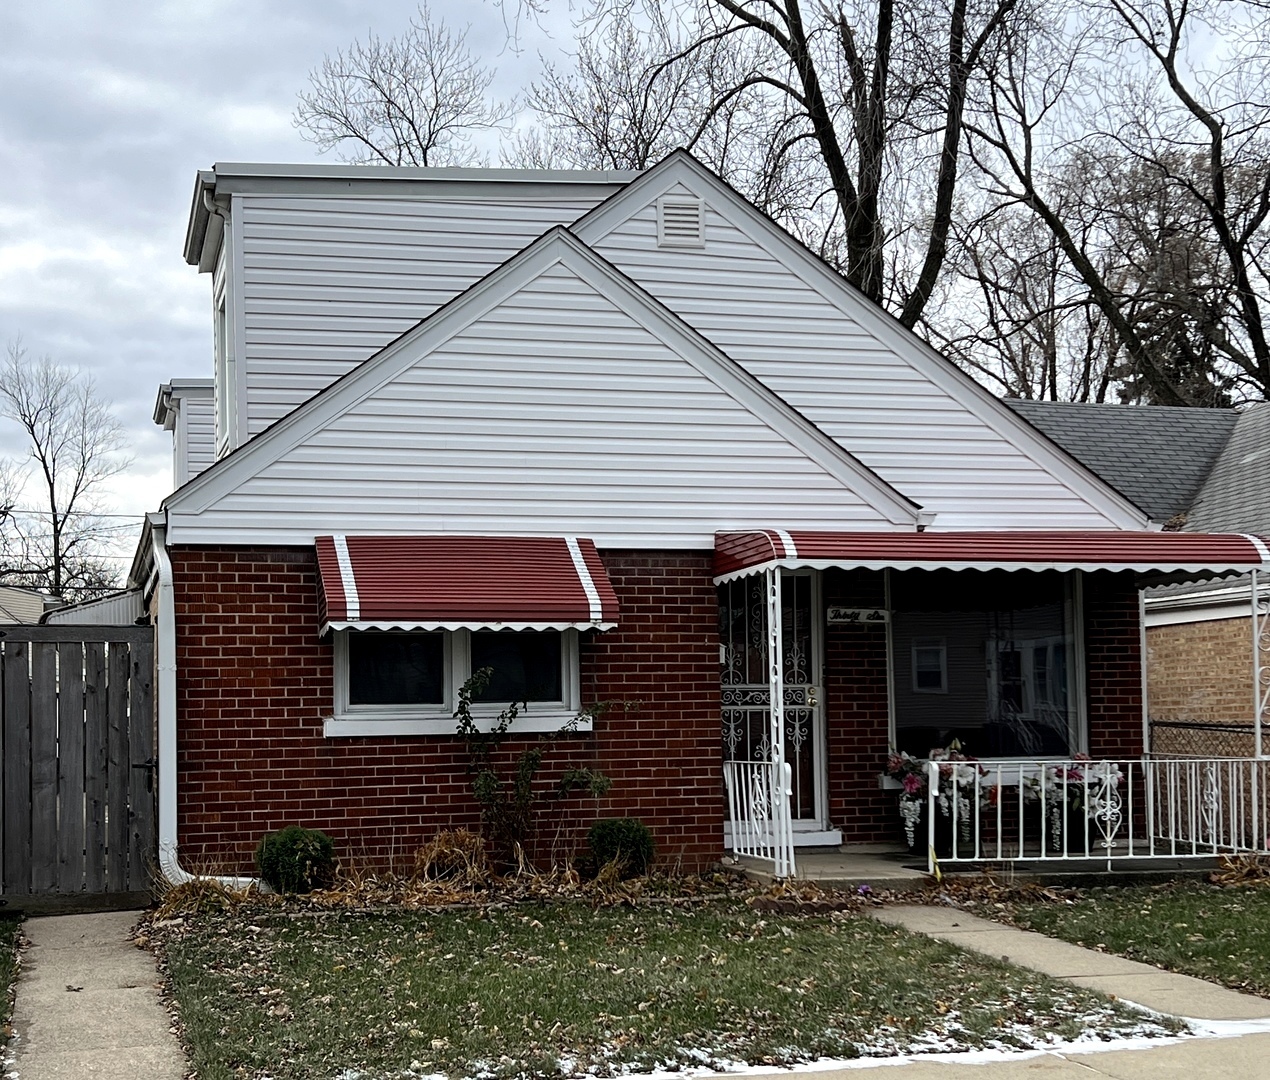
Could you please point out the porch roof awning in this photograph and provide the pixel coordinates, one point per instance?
(737, 554)
(463, 582)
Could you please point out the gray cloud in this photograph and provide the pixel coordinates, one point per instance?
(109, 111)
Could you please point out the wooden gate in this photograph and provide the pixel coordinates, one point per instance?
(77, 723)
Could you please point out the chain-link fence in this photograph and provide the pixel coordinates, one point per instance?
(1201, 739)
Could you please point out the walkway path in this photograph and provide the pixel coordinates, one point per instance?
(1142, 984)
(88, 1004)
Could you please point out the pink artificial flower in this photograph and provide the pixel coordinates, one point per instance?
(912, 783)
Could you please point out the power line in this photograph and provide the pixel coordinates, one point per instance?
(73, 513)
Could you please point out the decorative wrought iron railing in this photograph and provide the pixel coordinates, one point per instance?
(758, 806)
(1027, 811)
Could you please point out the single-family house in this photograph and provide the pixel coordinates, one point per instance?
(618, 437)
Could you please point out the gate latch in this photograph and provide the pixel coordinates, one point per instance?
(150, 765)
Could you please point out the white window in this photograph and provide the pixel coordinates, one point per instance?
(930, 666)
(406, 682)
(225, 377)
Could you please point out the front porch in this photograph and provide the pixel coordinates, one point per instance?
(1022, 650)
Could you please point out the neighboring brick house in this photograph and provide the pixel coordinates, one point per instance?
(588, 430)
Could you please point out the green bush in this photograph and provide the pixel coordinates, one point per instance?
(627, 841)
(296, 859)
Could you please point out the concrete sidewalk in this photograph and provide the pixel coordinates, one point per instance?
(88, 1004)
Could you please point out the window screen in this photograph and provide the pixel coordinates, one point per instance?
(526, 665)
(396, 669)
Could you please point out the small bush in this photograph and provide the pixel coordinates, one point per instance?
(625, 841)
(295, 859)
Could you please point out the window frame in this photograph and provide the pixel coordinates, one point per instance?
(924, 643)
(535, 717)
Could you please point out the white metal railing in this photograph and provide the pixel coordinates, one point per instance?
(1010, 811)
(758, 805)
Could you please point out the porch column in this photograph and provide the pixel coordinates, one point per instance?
(1260, 612)
(782, 825)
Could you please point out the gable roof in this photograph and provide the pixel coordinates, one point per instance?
(1236, 494)
(556, 247)
(1156, 455)
(681, 168)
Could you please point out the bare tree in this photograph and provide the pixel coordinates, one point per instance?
(57, 539)
(864, 105)
(1182, 184)
(417, 99)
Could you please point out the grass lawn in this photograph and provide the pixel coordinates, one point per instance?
(10, 927)
(1220, 934)
(567, 989)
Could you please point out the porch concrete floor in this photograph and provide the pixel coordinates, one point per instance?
(899, 870)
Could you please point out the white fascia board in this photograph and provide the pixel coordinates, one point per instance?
(375, 174)
(556, 246)
(682, 168)
(1213, 612)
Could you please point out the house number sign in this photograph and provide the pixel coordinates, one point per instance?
(858, 615)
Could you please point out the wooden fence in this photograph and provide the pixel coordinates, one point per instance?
(77, 723)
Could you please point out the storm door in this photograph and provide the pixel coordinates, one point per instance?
(745, 693)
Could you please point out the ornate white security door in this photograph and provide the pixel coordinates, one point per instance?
(746, 697)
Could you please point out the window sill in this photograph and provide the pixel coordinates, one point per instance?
(526, 723)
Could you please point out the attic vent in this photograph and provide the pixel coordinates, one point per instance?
(680, 222)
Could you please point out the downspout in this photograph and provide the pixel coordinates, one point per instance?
(165, 655)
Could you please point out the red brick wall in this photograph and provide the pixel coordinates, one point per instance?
(856, 713)
(856, 695)
(254, 682)
(1113, 659)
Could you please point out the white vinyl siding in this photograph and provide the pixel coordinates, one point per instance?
(554, 412)
(873, 400)
(328, 281)
(198, 416)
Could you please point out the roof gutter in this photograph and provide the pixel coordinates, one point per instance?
(165, 662)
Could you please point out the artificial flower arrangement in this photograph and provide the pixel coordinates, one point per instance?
(958, 774)
(1082, 786)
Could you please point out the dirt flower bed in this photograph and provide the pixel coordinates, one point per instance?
(657, 977)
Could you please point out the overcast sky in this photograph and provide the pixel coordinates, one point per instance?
(107, 110)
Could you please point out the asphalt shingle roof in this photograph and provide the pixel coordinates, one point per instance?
(1157, 456)
(1236, 495)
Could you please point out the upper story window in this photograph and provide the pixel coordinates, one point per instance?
(225, 378)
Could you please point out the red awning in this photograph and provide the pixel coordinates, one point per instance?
(737, 554)
(463, 582)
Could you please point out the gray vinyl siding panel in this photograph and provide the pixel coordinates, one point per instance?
(867, 397)
(327, 282)
(555, 412)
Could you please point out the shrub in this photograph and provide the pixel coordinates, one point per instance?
(457, 856)
(507, 792)
(626, 841)
(295, 859)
